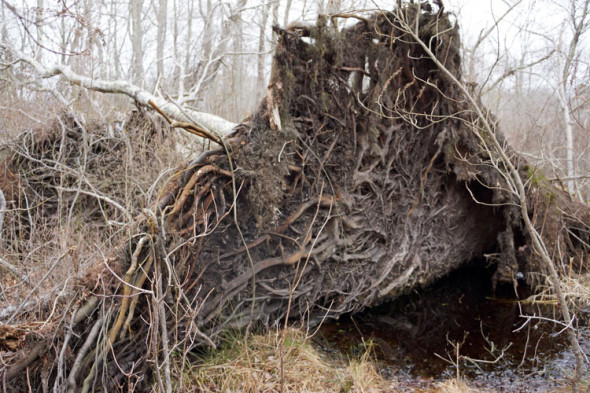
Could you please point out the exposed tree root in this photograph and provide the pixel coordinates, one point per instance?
(357, 180)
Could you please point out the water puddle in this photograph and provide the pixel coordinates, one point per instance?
(418, 338)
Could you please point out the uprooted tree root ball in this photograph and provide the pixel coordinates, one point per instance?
(358, 179)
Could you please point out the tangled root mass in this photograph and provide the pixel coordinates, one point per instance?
(358, 179)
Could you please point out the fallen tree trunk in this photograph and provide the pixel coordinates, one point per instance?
(140, 95)
(358, 179)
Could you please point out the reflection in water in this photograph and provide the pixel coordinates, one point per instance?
(409, 334)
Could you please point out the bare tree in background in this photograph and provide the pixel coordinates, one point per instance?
(139, 41)
(135, 10)
(39, 24)
(286, 19)
(238, 73)
(2, 211)
(161, 39)
(568, 56)
(261, 75)
(531, 72)
(275, 19)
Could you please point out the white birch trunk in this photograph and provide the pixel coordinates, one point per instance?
(569, 139)
(579, 24)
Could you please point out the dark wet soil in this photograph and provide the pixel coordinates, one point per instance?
(502, 344)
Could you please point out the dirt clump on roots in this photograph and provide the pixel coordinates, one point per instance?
(358, 179)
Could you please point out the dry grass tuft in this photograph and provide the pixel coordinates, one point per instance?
(454, 386)
(362, 374)
(577, 290)
(254, 365)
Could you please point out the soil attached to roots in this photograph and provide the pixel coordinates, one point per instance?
(358, 179)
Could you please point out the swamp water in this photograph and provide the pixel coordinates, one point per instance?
(415, 338)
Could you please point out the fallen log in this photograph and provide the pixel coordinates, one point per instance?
(359, 178)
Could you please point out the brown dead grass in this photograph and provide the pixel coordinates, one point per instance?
(254, 365)
(454, 386)
(577, 290)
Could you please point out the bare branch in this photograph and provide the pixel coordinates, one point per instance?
(206, 120)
